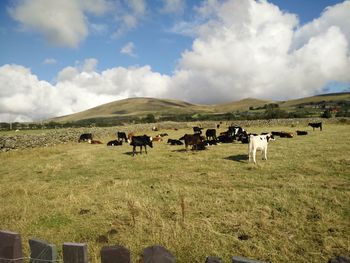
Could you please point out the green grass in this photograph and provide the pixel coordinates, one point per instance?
(294, 207)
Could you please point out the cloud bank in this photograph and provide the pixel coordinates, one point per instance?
(242, 48)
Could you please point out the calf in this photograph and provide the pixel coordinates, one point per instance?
(85, 137)
(114, 143)
(210, 134)
(175, 142)
(140, 141)
(315, 125)
(122, 136)
(258, 142)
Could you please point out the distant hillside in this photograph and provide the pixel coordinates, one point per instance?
(141, 107)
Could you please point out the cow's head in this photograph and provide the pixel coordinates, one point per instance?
(270, 137)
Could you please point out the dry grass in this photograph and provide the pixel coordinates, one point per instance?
(292, 208)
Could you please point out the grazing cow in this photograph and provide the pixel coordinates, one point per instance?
(197, 130)
(301, 132)
(140, 141)
(114, 143)
(85, 137)
(192, 139)
(210, 134)
(175, 142)
(95, 142)
(122, 136)
(258, 142)
(315, 125)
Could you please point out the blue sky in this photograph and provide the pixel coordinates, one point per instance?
(63, 56)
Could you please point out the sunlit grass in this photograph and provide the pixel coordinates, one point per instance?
(294, 207)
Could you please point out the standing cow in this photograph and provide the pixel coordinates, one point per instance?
(140, 141)
(122, 136)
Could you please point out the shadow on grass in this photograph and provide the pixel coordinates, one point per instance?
(136, 153)
(242, 158)
(181, 150)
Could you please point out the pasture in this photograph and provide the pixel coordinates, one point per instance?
(294, 207)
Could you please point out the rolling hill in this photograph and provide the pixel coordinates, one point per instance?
(141, 107)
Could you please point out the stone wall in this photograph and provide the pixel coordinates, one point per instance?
(45, 138)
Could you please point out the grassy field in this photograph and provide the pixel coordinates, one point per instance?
(293, 207)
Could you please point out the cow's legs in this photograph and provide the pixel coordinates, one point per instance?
(133, 150)
(145, 149)
(265, 154)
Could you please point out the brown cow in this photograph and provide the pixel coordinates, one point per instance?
(192, 139)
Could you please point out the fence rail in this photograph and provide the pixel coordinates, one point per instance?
(44, 252)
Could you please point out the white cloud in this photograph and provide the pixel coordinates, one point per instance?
(25, 97)
(173, 6)
(244, 49)
(128, 49)
(49, 61)
(63, 23)
(129, 16)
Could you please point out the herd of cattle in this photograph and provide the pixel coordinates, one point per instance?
(198, 141)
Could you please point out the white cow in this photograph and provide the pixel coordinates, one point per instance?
(258, 142)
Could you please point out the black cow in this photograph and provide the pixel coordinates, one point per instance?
(315, 125)
(140, 141)
(197, 130)
(122, 136)
(85, 137)
(225, 138)
(114, 143)
(235, 131)
(301, 132)
(175, 142)
(211, 134)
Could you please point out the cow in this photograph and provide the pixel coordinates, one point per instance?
(286, 134)
(85, 137)
(140, 141)
(258, 142)
(315, 125)
(210, 134)
(197, 130)
(225, 138)
(175, 142)
(301, 132)
(115, 143)
(192, 139)
(283, 134)
(158, 138)
(122, 136)
(95, 142)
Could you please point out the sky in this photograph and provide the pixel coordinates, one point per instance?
(58, 57)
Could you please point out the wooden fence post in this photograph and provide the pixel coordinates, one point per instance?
(10, 247)
(245, 260)
(41, 251)
(75, 253)
(115, 254)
